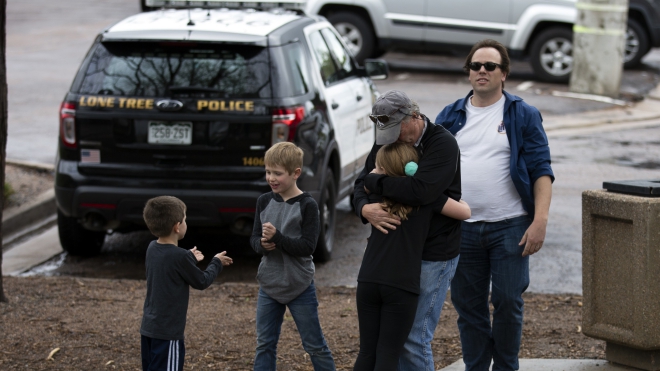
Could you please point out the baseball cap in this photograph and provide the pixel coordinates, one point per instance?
(387, 113)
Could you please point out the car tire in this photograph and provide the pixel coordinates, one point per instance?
(356, 32)
(77, 240)
(327, 219)
(636, 44)
(144, 7)
(551, 54)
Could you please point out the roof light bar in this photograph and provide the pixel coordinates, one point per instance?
(261, 4)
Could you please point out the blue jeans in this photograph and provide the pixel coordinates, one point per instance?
(304, 309)
(434, 282)
(490, 252)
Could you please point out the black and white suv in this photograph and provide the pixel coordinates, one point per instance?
(185, 102)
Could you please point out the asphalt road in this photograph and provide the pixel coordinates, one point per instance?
(46, 41)
(580, 162)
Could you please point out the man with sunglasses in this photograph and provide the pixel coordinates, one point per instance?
(507, 181)
(397, 118)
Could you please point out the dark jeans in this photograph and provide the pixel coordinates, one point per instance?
(385, 315)
(490, 253)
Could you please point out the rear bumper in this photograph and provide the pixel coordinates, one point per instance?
(209, 203)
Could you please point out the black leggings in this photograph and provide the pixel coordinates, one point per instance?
(386, 315)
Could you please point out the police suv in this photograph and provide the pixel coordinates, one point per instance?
(185, 102)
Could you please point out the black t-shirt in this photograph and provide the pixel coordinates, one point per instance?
(171, 270)
(395, 258)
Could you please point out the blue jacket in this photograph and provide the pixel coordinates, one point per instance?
(530, 153)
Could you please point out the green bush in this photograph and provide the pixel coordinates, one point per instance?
(8, 190)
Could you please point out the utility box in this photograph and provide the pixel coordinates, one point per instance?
(621, 271)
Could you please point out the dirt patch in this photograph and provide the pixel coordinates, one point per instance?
(95, 324)
(26, 184)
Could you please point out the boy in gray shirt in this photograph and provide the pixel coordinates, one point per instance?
(170, 272)
(286, 229)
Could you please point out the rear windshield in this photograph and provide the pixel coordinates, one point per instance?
(160, 69)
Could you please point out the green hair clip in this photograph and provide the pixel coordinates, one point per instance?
(411, 168)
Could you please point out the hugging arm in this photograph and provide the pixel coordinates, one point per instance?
(447, 206)
(458, 210)
(435, 174)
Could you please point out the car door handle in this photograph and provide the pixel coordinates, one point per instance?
(335, 105)
(359, 98)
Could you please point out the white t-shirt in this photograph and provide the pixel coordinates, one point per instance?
(485, 165)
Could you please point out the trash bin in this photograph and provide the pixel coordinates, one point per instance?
(621, 270)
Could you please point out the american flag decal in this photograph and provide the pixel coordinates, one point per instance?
(92, 156)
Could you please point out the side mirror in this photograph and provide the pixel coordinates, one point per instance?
(376, 69)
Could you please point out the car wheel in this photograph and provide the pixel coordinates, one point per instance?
(552, 54)
(327, 211)
(144, 7)
(356, 32)
(77, 240)
(636, 44)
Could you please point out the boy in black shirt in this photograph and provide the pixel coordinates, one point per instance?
(170, 272)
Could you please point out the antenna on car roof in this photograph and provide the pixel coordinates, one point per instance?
(190, 21)
(297, 6)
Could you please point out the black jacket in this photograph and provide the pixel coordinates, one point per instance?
(439, 173)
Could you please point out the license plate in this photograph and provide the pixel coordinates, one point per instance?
(175, 132)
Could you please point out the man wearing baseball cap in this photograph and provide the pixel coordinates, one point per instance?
(397, 118)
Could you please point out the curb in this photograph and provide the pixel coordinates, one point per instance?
(31, 216)
(645, 112)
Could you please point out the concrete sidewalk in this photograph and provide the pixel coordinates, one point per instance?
(31, 253)
(556, 365)
(641, 114)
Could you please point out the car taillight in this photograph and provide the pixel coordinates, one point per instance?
(68, 124)
(285, 123)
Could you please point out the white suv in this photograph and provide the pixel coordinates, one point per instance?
(538, 29)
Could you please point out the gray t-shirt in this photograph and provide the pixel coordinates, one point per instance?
(287, 271)
(171, 270)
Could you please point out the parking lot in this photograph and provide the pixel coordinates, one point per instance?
(46, 42)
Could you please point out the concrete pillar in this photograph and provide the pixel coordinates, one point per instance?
(598, 47)
(621, 275)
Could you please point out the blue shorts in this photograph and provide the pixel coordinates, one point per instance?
(162, 355)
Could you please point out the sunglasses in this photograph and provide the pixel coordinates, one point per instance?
(382, 119)
(489, 66)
